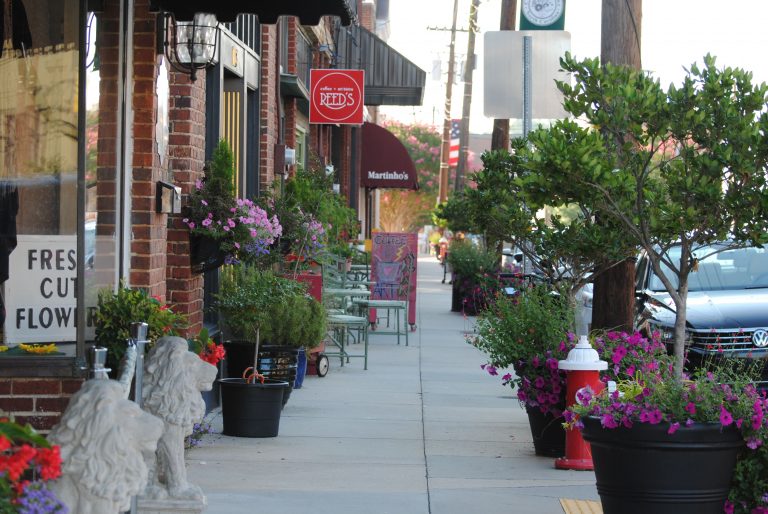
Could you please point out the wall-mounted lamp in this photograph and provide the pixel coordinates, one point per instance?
(190, 45)
(167, 198)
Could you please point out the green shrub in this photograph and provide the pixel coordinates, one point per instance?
(118, 310)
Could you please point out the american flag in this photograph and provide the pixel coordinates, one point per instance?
(453, 154)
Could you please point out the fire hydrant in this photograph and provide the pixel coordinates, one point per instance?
(583, 367)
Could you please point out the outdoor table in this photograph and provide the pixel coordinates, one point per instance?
(340, 327)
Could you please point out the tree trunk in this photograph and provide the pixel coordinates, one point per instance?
(613, 300)
(500, 134)
(614, 292)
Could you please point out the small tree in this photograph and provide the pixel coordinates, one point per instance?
(503, 206)
(684, 169)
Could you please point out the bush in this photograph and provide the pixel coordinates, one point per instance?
(118, 310)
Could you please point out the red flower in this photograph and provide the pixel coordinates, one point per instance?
(15, 464)
(49, 461)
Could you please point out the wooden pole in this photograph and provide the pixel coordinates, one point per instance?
(500, 134)
(446, 146)
(614, 290)
(461, 168)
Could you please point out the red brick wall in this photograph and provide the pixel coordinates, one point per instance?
(268, 110)
(148, 245)
(37, 401)
(368, 15)
(186, 160)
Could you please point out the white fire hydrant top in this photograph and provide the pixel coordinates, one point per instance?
(583, 358)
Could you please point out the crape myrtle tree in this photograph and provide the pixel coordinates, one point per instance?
(401, 210)
(683, 168)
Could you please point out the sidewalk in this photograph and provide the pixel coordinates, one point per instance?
(423, 431)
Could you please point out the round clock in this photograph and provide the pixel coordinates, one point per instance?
(542, 12)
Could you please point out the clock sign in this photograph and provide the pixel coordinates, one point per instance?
(542, 15)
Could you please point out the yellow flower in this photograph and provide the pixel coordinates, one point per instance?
(39, 348)
(3, 348)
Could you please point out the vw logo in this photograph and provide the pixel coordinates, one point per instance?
(760, 338)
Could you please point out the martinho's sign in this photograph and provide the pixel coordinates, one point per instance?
(336, 96)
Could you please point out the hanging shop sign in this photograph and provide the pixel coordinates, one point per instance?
(393, 269)
(336, 96)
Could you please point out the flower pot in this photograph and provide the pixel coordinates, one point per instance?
(205, 253)
(251, 410)
(239, 357)
(276, 362)
(644, 469)
(280, 363)
(301, 369)
(547, 432)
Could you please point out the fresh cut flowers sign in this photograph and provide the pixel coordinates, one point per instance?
(41, 304)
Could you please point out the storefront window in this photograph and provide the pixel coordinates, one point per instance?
(46, 149)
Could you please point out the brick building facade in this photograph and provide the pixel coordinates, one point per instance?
(122, 84)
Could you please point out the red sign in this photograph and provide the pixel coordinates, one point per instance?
(336, 96)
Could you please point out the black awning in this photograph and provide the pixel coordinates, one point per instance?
(390, 78)
(268, 11)
(292, 87)
(385, 162)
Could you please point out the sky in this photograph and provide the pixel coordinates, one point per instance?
(675, 33)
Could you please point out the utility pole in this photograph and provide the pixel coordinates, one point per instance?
(446, 146)
(469, 66)
(614, 290)
(500, 134)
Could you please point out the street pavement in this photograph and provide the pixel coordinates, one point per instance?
(423, 431)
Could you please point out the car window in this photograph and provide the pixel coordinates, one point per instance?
(739, 268)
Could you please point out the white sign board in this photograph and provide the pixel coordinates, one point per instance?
(503, 81)
(40, 294)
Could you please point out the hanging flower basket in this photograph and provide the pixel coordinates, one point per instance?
(205, 253)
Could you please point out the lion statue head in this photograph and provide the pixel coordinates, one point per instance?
(105, 443)
(173, 380)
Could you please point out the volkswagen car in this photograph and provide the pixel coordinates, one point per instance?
(727, 307)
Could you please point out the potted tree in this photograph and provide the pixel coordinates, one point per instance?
(251, 403)
(678, 170)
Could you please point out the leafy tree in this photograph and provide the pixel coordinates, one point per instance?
(685, 167)
(408, 210)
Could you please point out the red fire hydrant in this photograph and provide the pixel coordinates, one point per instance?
(583, 367)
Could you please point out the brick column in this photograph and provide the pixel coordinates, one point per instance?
(186, 159)
(268, 111)
(148, 250)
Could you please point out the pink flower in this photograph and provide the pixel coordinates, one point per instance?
(725, 417)
(673, 428)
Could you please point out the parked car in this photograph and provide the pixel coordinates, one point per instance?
(727, 306)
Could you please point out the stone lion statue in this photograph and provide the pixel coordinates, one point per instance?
(106, 442)
(173, 380)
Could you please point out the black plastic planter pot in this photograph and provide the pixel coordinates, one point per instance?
(547, 432)
(276, 362)
(251, 410)
(205, 253)
(280, 363)
(644, 469)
